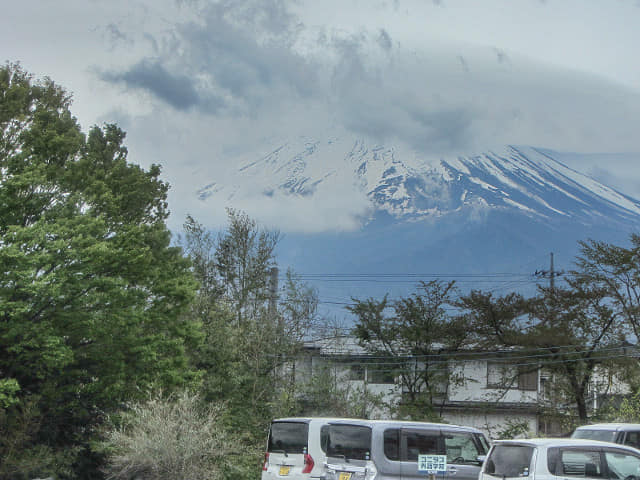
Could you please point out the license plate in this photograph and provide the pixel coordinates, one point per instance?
(285, 470)
(345, 476)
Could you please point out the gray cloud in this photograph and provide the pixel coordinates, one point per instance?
(115, 34)
(237, 56)
(227, 81)
(501, 55)
(384, 40)
(245, 77)
(256, 59)
(442, 101)
(175, 89)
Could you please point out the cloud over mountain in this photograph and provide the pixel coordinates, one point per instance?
(207, 85)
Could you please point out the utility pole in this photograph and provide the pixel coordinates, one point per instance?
(273, 298)
(551, 274)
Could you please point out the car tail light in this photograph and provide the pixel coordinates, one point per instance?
(265, 465)
(308, 463)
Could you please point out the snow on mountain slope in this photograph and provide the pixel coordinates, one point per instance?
(408, 187)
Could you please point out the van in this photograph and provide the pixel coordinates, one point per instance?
(622, 433)
(560, 459)
(402, 450)
(294, 449)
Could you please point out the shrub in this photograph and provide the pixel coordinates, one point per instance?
(177, 437)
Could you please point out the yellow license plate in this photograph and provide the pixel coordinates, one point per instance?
(285, 470)
(345, 476)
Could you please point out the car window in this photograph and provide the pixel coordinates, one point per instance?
(622, 465)
(602, 435)
(509, 461)
(391, 439)
(350, 441)
(580, 463)
(461, 448)
(324, 437)
(420, 443)
(484, 444)
(632, 439)
(288, 437)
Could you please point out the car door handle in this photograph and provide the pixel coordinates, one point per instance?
(452, 470)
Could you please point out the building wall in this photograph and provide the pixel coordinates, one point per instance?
(475, 395)
(469, 384)
(493, 424)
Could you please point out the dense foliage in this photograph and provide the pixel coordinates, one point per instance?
(576, 333)
(91, 291)
(414, 334)
(249, 333)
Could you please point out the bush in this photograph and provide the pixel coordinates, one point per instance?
(167, 438)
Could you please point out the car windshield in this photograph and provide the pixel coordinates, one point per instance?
(288, 437)
(602, 435)
(349, 441)
(509, 461)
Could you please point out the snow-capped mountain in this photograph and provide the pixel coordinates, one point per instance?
(500, 211)
(407, 187)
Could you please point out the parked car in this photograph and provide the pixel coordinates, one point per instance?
(400, 450)
(623, 433)
(294, 449)
(560, 459)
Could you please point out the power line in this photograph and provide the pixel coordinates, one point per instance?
(445, 367)
(491, 355)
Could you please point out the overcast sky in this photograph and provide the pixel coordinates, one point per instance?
(202, 86)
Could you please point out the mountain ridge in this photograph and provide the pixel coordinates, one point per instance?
(500, 211)
(517, 178)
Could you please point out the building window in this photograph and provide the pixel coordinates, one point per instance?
(368, 371)
(527, 377)
(500, 374)
(380, 374)
(356, 372)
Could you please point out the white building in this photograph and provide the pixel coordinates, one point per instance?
(492, 391)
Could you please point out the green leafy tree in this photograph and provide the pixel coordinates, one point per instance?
(244, 257)
(615, 271)
(250, 335)
(91, 291)
(572, 333)
(410, 334)
(627, 410)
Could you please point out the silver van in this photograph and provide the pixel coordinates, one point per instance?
(294, 449)
(622, 433)
(401, 450)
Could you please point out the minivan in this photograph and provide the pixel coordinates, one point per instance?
(560, 459)
(294, 449)
(623, 433)
(398, 450)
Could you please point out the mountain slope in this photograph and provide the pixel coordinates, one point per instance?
(498, 214)
(519, 179)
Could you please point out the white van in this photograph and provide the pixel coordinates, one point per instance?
(294, 449)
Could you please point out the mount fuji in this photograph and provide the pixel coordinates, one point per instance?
(500, 211)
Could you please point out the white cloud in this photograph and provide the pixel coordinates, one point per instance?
(202, 87)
